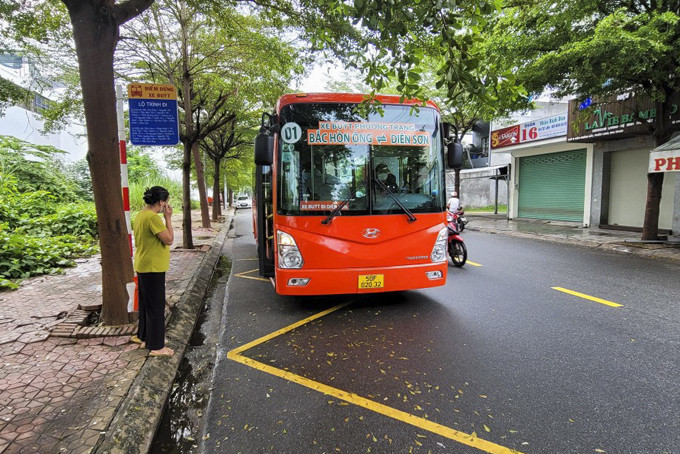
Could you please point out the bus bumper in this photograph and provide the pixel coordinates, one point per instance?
(356, 280)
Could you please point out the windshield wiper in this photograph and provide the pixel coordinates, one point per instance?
(411, 217)
(337, 209)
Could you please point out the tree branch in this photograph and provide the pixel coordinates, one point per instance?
(130, 9)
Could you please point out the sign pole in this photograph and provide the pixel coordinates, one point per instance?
(153, 121)
(120, 99)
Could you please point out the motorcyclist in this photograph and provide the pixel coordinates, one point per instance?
(453, 204)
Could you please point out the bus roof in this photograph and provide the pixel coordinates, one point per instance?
(294, 98)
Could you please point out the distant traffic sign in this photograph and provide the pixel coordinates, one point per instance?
(153, 114)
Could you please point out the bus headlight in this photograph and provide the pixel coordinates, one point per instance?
(289, 254)
(439, 249)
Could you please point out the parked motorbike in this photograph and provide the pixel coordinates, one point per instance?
(457, 249)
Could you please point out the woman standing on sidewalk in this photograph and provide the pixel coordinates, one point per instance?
(152, 260)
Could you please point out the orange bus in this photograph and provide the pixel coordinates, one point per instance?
(352, 200)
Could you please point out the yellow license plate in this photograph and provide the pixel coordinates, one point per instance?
(371, 281)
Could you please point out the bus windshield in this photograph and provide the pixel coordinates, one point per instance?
(328, 154)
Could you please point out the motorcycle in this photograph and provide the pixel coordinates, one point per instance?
(457, 249)
(460, 219)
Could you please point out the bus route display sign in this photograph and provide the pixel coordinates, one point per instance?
(153, 114)
(372, 133)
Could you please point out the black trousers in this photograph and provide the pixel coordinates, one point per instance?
(152, 309)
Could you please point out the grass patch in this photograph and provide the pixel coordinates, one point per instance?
(487, 209)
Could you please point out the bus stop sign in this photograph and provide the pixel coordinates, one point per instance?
(153, 114)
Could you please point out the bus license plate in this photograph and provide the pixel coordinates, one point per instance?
(371, 280)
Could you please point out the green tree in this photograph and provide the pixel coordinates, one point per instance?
(43, 222)
(490, 93)
(597, 48)
(239, 172)
(390, 41)
(37, 167)
(223, 62)
(10, 94)
(142, 166)
(224, 144)
(79, 172)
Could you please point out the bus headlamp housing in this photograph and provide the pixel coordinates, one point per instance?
(289, 254)
(439, 250)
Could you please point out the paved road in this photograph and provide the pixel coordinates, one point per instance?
(497, 360)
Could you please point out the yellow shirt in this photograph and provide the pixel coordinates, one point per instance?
(151, 254)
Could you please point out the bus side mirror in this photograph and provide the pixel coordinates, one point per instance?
(264, 149)
(454, 155)
(446, 130)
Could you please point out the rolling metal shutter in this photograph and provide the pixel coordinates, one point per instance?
(552, 186)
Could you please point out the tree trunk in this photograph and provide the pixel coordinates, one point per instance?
(95, 33)
(188, 139)
(187, 238)
(650, 228)
(217, 195)
(200, 180)
(662, 134)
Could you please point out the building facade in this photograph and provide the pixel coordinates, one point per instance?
(621, 147)
(582, 165)
(25, 122)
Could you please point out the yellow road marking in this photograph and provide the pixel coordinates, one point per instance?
(421, 423)
(588, 297)
(473, 263)
(243, 275)
(288, 328)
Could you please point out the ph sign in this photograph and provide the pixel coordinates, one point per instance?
(153, 114)
(664, 161)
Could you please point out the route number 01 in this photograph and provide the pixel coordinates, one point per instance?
(291, 132)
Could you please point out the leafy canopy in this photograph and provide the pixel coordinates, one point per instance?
(587, 48)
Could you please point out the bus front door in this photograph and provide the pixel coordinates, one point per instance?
(264, 220)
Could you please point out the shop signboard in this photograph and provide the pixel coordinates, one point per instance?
(531, 131)
(665, 158)
(617, 117)
(664, 161)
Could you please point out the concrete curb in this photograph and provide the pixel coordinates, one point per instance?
(136, 419)
(615, 246)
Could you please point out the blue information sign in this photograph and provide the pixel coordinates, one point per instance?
(153, 121)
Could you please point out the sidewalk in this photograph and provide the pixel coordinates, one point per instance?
(573, 233)
(62, 383)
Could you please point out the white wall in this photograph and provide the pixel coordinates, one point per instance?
(26, 125)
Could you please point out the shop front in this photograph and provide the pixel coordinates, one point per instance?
(550, 178)
(621, 153)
